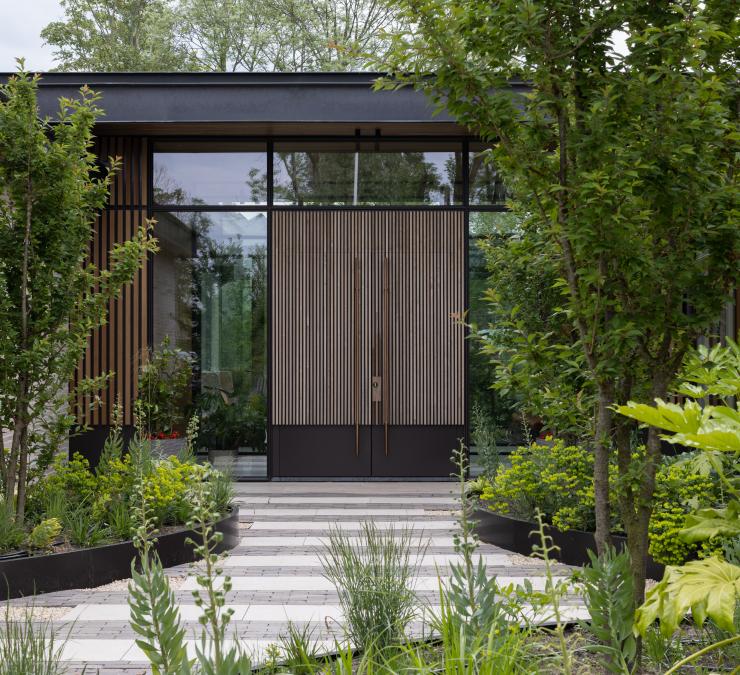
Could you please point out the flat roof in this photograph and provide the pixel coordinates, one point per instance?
(256, 100)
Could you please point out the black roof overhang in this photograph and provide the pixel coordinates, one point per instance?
(157, 98)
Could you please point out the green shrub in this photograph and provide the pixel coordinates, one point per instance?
(120, 520)
(46, 499)
(83, 528)
(483, 437)
(476, 487)
(72, 477)
(679, 490)
(95, 505)
(165, 489)
(115, 484)
(43, 535)
(299, 651)
(11, 535)
(222, 491)
(54, 504)
(556, 479)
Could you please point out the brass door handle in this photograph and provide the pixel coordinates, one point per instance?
(356, 284)
(386, 349)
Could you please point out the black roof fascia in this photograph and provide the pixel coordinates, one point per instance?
(241, 97)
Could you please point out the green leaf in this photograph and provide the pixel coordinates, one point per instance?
(668, 416)
(708, 523)
(703, 463)
(707, 588)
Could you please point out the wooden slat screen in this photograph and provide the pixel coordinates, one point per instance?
(117, 346)
(426, 252)
(313, 259)
(315, 323)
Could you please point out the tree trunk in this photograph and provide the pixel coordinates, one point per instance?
(20, 432)
(12, 467)
(20, 512)
(639, 538)
(637, 529)
(602, 448)
(4, 457)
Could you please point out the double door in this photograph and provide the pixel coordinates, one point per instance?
(367, 354)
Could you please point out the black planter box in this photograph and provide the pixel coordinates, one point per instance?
(517, 536)
(90, 567)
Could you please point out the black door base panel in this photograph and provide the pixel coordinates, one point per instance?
(420, 451)
(325, 451)
(332, 451)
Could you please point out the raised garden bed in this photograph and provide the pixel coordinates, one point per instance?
(516, 535)
(22, 574)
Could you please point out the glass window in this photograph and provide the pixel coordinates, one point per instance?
(486, 184)
(492, 414)
(210, 174)
(367, 173)
(210, 299)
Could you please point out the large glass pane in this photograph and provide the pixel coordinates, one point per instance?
(210, 299)
(210, 174)
(492, 414)
(486, 186)
(367, 174)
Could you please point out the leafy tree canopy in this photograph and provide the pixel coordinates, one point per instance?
(622, 167)
(116, 35)
(218, 35)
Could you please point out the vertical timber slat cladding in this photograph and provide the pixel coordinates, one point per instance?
(427, 267)
(118, 346)
(318, 258)
(313, 318)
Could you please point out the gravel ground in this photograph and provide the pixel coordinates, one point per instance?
(18, 613)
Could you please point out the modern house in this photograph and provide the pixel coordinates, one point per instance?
(314, 259)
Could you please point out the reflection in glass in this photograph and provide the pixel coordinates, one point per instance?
(486, 186)
(490, 408)
(210, 298)
(212, 178)
(366, 174)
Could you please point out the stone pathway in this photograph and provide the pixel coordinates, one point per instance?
(276, 571)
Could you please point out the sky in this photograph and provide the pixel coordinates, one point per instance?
(21, 22)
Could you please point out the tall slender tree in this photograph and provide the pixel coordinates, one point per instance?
(51, 297)
(623, 164)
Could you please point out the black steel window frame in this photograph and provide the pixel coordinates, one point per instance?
(270, 207)
(269, 141)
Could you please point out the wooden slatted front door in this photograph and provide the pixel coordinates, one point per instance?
(367, 344)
